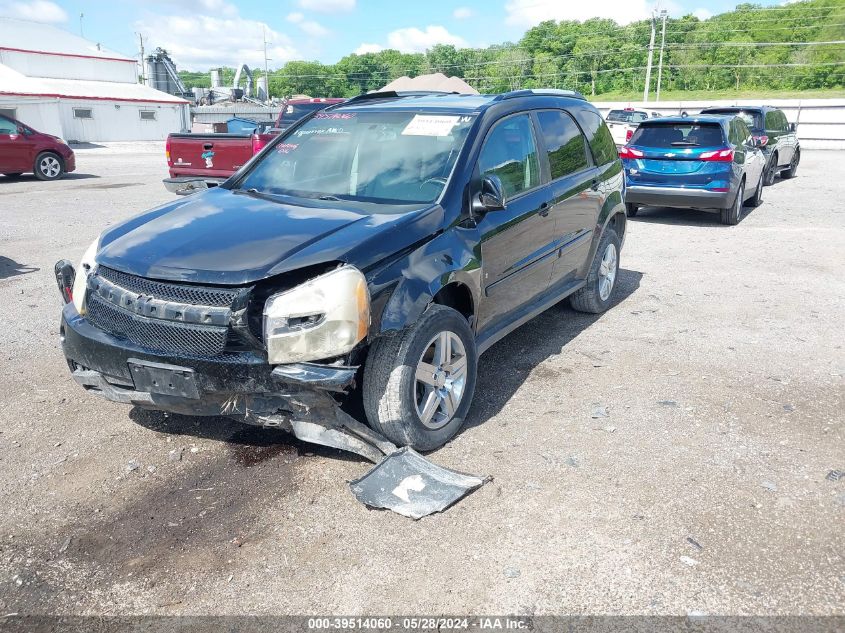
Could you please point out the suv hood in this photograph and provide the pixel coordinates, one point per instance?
(219, 237)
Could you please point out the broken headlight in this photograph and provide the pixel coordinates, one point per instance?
(80, 282)
(324, 317)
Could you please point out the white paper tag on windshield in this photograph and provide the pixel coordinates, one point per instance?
(430, 125)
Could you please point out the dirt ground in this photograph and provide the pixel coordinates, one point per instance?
(704, 490)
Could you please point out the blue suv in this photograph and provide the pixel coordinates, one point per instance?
(703, 162)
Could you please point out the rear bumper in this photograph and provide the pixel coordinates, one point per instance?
(240, 385)
(186, 185)
(678, 197)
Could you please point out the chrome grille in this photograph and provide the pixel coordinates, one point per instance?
(167, 291)
(157, 334)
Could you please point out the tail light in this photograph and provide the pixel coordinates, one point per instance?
(630, 152)
(762, 140)
(718, 156)
(167, 152)
(258, 143)
(628, 134)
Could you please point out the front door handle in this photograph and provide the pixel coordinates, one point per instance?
(544, 209)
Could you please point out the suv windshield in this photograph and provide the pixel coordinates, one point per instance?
(753, 118)
(626, 116)
(678, 135)
(367, 156)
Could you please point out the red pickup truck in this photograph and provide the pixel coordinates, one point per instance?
(199, 161)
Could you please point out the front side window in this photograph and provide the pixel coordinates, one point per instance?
(564, 142)
(8, 127)
(371, 156)
(510, 153)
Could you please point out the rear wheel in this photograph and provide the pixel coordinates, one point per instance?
(771, 171)
(49, 166)
(631, 209)
(418, 383)
(597, 294)
(793, 165)
(732, 215)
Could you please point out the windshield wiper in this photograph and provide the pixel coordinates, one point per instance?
(255, 193)
(328, 197)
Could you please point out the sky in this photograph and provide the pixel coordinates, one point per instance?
(203, 34)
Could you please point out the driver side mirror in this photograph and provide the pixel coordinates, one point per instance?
(491, 197)
(792, 127)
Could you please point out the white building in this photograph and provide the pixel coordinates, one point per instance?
(65, 85)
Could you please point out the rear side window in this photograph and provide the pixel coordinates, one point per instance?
(678, 135)
(510, 153)
(598, 136)
(564, 143)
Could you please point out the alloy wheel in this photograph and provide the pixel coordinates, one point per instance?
(607, 272)
(50, 166)
(440, 380)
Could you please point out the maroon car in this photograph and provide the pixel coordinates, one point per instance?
(24, 150)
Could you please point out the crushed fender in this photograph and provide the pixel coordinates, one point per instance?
(409, 484)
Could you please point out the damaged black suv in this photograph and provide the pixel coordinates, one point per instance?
(375, 248)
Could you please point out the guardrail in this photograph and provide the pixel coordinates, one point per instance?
(821, 122)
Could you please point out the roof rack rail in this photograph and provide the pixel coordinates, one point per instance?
(551, 92)
(393, 94)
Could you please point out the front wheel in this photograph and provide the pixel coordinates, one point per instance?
(49, 166)
(793, 165)
(418, 383)
(732, 215)
(597, 294)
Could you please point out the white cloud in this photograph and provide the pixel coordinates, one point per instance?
(414, 40)
(328, 6)
(309, 27)
(199, 42)
(462, 13)
(526, 13)
(702, 14)
(35, 10)
(368, 48)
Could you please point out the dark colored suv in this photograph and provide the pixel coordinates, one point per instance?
(381, 245)
(774, 135)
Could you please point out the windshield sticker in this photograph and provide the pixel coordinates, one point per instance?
(334, 115)
(430, 125)
(286, 148)
(320, 131)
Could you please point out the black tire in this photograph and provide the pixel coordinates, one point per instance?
(733, 214)
(48, 166)
(390, 386)
(589, 297)
(757, 199)
(793, 166)
(771, 171)
(631, 209)
(16, 174)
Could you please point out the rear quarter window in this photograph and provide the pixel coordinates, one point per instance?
(598, 136)
(679, 135)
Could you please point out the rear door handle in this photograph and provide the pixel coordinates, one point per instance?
(544, 209)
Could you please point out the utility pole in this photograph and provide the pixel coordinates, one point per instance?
(266, 68)
(663, 14)
(141, 39)
(650, 58)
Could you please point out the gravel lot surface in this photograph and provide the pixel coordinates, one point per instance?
(705, 488)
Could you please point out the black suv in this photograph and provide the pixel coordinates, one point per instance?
(774, 135)
(379, 245)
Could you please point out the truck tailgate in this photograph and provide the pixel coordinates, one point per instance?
(208, 155)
